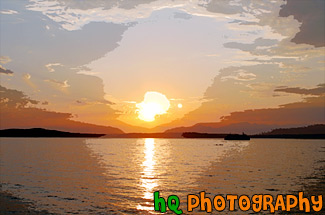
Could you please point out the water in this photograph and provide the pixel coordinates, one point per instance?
(119, 176)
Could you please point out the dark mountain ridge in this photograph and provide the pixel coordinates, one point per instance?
(41, 132)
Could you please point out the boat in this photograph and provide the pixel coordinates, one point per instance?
(237, 137)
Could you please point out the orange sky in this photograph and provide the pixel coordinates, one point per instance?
(160, 64)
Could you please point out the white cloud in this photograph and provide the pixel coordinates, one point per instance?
(8, 12)
(74, 19)
(51, 65)
(61, 84)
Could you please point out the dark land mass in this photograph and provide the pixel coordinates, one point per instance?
(222, 128)
(237, 137)
(311, 129)
(291, 136)
(202, 135)
(308, 132)
(41, 132)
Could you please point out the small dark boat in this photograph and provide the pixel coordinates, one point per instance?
(237, 137)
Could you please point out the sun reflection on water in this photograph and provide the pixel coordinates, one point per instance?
(148, 180)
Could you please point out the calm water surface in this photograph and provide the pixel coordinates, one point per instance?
(119, 176)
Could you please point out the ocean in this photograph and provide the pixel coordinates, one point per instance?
(119, 176)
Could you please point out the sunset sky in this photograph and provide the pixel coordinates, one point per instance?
(130, 64)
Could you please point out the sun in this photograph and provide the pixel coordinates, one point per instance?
(153, 104)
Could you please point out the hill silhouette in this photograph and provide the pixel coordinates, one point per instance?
(41, 132)
(307, 132)
(311, 129)
(221, 127)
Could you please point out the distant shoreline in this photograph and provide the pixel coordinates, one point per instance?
(41, 132)
(308, 132)
(195, 135)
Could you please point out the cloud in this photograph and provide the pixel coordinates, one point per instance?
(51, 65)
(223, 6)
(293, 68)
(8, 12)
(5, 59)
(61, 84)
(80, 47)
(252, 34)
(259, 42)
(309, 111)
(19, 111)
(5, 71)
(14, 99)
(241, 75)
(319, 90)
(311, 15)
(85, 101)
(125, 4)
(73, 14)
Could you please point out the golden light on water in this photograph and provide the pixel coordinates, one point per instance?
(148, 179)
(154, 104)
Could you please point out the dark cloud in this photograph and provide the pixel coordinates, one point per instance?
(311, 15)
(309, 111)
(69, 48)
(319, 90)
(14, 98)
(5, 71)
(259, 42)
(16, 112)
(223, 6)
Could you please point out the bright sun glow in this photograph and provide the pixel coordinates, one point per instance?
(154, 104)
